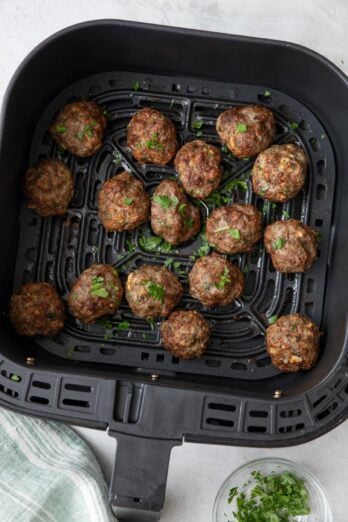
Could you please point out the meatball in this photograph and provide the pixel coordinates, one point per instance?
(151, 137)
(173, 217)
(123, 203)
(215, 281)
(153, 291)
(246, 130)
(186, 334)
(97, 292)
(293, 343)
(279, 172)
(37, 309)
(292, 245)
(199, 168)
(48, 188)
(79, 128)
(234, 229)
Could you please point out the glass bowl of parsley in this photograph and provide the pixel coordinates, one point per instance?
(271, 490)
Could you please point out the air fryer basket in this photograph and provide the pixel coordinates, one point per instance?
(123, 380)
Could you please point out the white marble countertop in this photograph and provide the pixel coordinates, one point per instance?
(196, 471)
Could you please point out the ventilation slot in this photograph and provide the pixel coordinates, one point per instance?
(78, 387)
(319, 401)
(290, 413)
(326, 412)
(260, 414)
(40, 384)
(257, 429)
(220, 422)
(8, 391)
(221, 407)
(39, 400)
(77, 403)
(290, 429)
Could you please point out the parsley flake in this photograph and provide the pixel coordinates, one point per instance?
(60, 128)
(154, 144)
(293, 125)
(234, 232)
(165, 201)
(128, 201)
(197, 124)
(123, 325)
(278, 243)
(240, 127)
(136, 86)
(97, 288)
(155, 290)
(272, 319)
(223, 279)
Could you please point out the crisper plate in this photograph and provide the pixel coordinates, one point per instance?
(58, 249)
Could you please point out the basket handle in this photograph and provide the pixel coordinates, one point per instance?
(138, 483)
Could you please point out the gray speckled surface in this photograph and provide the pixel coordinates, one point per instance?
(196, 471)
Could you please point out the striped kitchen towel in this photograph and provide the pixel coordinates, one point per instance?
(48, 474)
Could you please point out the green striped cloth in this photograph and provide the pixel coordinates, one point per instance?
(48, 474)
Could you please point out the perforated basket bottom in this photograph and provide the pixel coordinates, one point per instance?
(57, 250)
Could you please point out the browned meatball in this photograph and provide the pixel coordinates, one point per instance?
(151, 137)
(234, 229)
(48, 188)
(246, 130)
(97, 292)
(293, 343)
(186, 334)
(279, 172)
(79, 128)
(199, 168)
(152, 291)
(37, 309)
(173, 217)
(215, 281)
(292, 245)
(123, 203)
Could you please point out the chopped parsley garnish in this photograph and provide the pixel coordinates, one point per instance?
(60, 128)
(154, 144)
(277, 497)
(70, 353)
(149, 242)
(231, 494)
(136, 86)
(151, 323)
(130, 247)
(116, 157)
(181, 208)
(225, 149)
(189, 222)
(175, 265)
(286, 214)
(87, 130)
(236, 183)
(319, 237)
(293, 125)
(97, 288)
(95, 249)
(223, 279)
(105, 322)
(165, 201)
(278, 243)
(267, 93)
(272, 319)
(197, 124)
(15, 378)
(241, 127)
(128, 201)
(74, 296)
(155, 290)
(123, 325)
(215, 198)
(246, 269)
(234, 232)
(199, 134)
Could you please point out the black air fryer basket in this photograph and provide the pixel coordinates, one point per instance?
(122, 380)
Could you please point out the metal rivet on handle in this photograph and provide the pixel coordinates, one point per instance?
(277, 394)
(30, 361)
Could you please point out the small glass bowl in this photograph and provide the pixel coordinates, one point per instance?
(319, 504)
